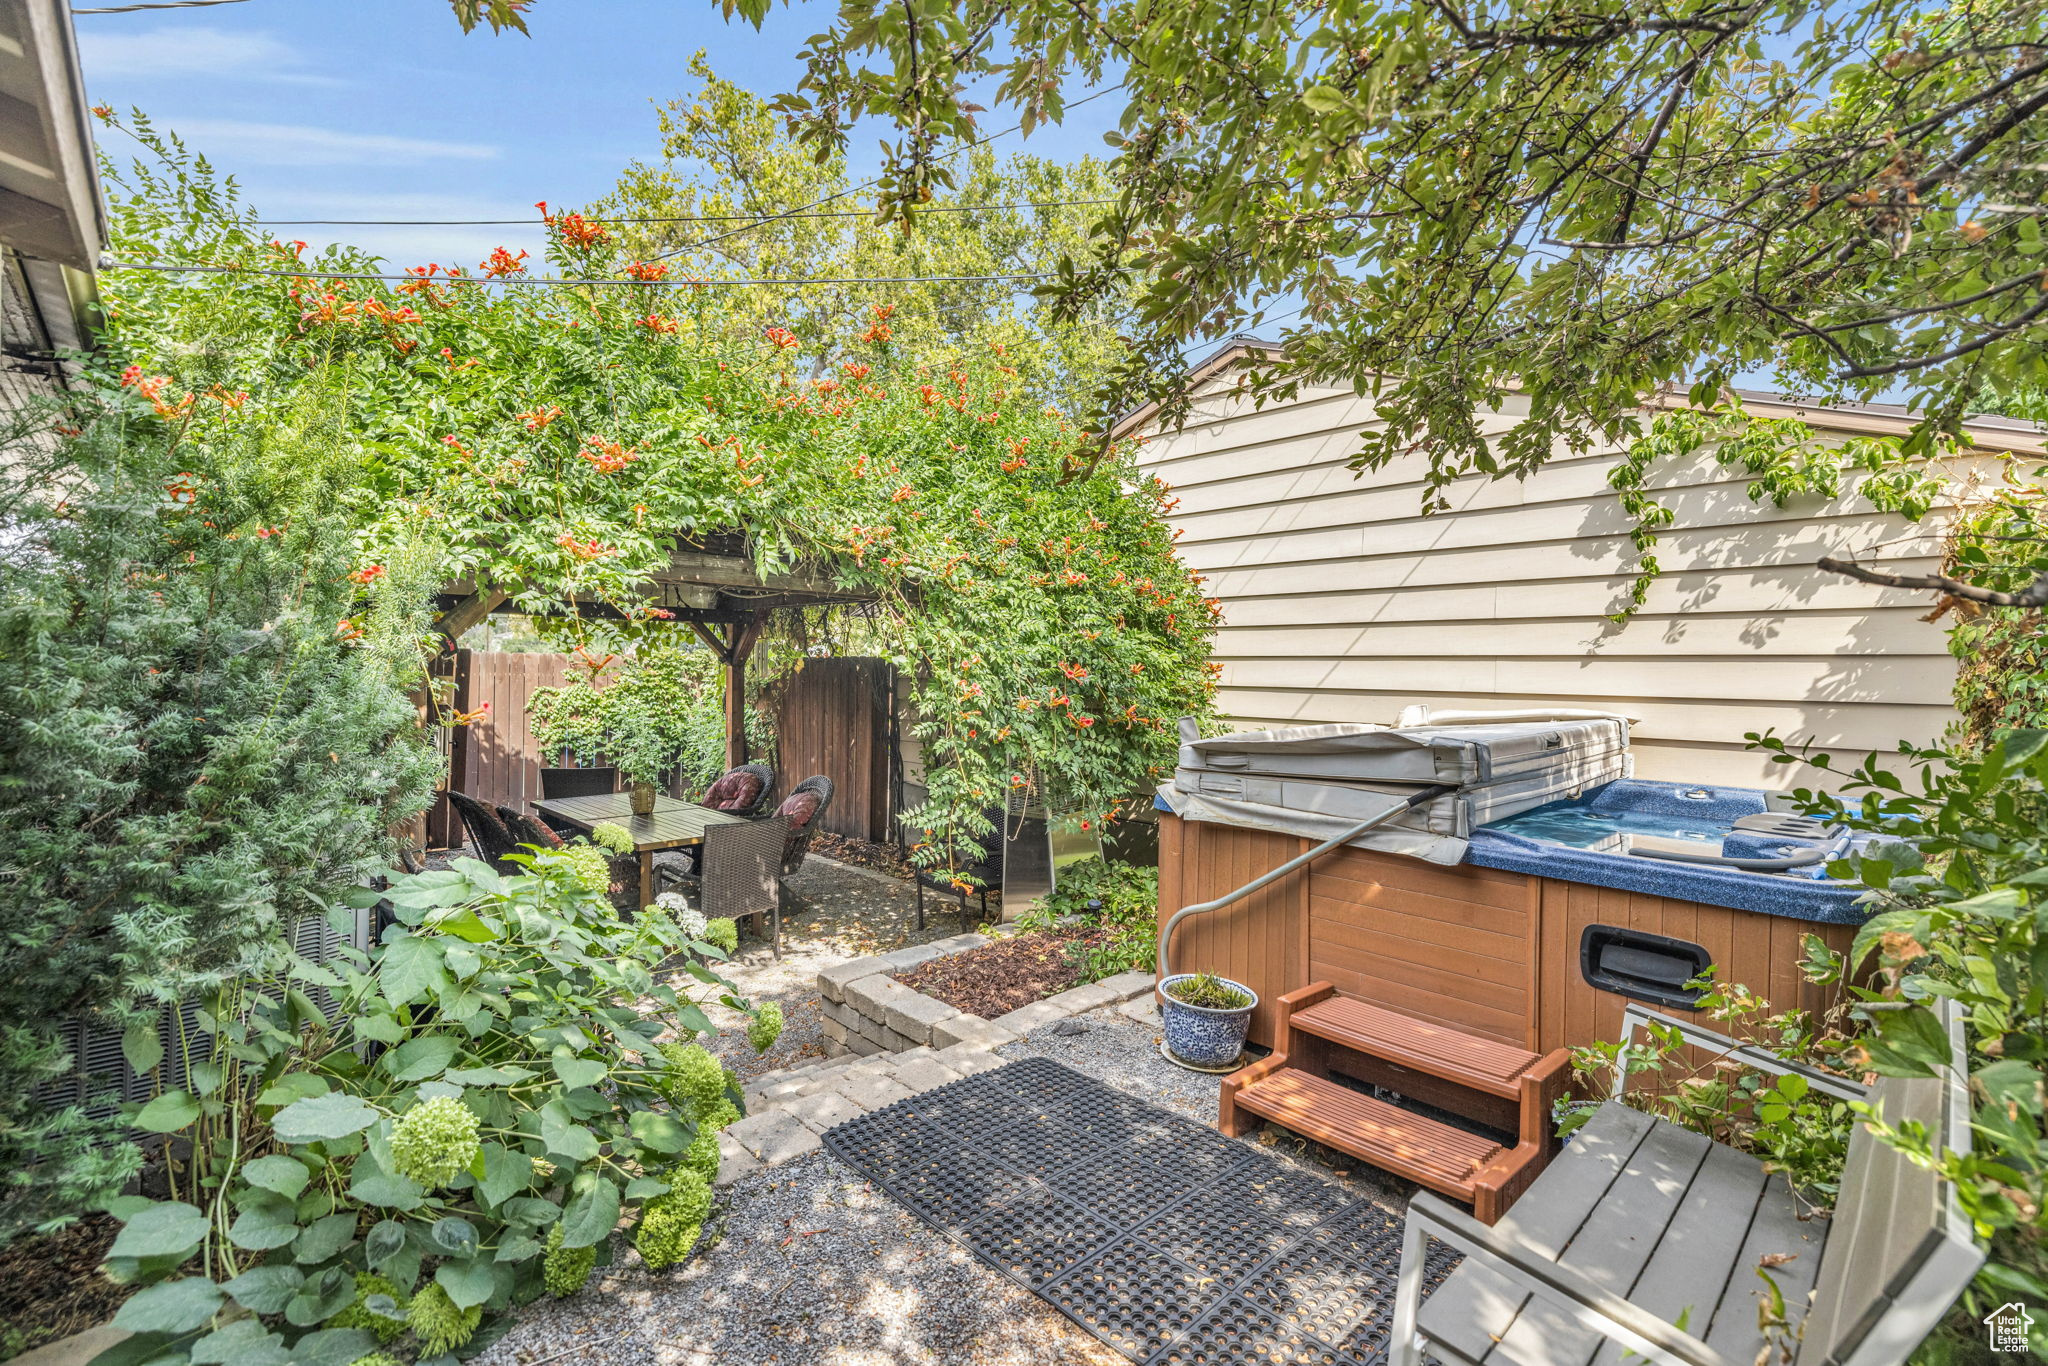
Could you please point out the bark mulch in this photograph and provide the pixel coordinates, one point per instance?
(50, 1285)
(997, 978)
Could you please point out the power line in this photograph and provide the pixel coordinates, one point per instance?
(159, 4)
(557, 280)
(685, 218)
(701, 243)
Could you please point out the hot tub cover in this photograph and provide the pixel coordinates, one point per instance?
(1318, 781)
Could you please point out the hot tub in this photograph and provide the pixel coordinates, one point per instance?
(1537, 927)
(1718, 846)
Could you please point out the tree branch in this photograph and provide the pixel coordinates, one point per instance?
(2034, 594)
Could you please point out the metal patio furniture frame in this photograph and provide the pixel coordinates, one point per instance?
(1895, 1255)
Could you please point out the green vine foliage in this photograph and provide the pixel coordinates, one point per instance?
(553, 443)
(1783, 458)
(669, 697)
(495, 1089)
(2001, 652)
(1957, 886)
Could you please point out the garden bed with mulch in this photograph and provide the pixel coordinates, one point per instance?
(1012, 972)
(51, 1286)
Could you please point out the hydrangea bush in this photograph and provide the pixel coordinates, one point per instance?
(495, 1087)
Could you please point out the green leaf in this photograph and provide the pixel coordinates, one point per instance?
(1323, 99)
(333, 1347)
(577, 1072)
(324, 1295)
(592, 1211)
(660, 1131)
(323, 1117)
(385, 1240)
(143, 1047)
(371, 1183)
(170, 1229)
(173, 1307)
(285, 1175)
(506, 1173)
(266, 1289)
(263, 1225)
(456, 1237)
(563, 1136)
(292, 1086)
(487, 1076)
(324, 1238)
(467, 1282)
(418, 1059)
(411, 968)
(379, 1028)
(245, 1342)
(168, 1113)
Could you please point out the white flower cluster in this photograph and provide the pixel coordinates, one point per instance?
(691, 923)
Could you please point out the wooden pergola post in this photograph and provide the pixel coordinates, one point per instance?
(732, 649)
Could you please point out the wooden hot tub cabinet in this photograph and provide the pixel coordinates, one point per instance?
(1490, 952)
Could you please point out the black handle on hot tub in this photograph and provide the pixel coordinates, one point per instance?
(1805, 858)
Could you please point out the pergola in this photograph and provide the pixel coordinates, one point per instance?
(712, 586)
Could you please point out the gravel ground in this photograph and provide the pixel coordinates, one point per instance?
(814, 1267)
(847, 912)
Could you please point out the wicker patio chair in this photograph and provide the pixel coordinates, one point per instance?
(624, 886)
(805, 809)
(488, 833)
(742, 874)
(743, 791)
(575, 782)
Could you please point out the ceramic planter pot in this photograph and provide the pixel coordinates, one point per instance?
(1202, 1035)
(642, 799)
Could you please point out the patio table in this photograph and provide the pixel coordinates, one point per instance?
(672, 825)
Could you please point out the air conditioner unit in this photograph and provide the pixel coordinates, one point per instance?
(100, 1080)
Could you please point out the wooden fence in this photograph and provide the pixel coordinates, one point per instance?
(833, 717)
(493, 758)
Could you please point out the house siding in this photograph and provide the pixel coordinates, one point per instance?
(1343, 603)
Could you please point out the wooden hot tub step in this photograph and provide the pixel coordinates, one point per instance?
(1437, 1155)
(1482, 1065)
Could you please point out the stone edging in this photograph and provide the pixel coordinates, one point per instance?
(868, 1012)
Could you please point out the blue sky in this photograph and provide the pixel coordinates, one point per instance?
(385, 109)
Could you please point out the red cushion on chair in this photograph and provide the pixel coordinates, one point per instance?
(734, 791)
(799, 807)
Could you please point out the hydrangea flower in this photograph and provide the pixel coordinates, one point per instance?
(565, 1269)
(435, 1141)
(694, 1082)
(766, 1026)
(377, 1359)
(358, 1314)
(438, 1324)
(701, 1156)
(615, 838)
(687, 919)
(722, 934)
(588, 865)
(672, 1223)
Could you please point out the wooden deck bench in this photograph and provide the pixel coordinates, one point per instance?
(1643, 1238)
(1322, 1035)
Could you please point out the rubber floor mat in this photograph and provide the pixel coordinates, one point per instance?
(1173, 1244)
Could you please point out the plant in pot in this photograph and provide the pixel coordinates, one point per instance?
(1205, 1018)
(641, 751)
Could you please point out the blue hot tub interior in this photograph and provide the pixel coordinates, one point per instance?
(1641, 836)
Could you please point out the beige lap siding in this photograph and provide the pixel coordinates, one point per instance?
(1341, 602)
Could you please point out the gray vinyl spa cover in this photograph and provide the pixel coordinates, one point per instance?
(1318, 781)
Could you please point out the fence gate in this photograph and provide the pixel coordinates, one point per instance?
(835, 718)
(493, 758)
